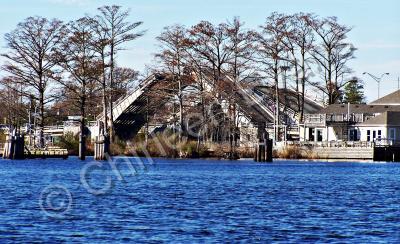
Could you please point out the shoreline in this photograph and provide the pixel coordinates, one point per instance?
(251, 159)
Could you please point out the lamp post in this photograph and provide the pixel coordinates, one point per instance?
(377, 79)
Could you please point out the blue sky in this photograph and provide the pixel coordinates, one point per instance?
(376, 25)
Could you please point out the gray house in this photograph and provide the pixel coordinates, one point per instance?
(378, 121)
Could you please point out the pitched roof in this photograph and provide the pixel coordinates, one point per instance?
(393, 118)
(391, 99)
(310, 106)
(357, 109)
(377, 120)
(386, 118)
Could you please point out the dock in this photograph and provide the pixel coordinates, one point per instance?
(9, 151)
(50, 152)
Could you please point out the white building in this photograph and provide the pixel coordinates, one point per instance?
(377, 122)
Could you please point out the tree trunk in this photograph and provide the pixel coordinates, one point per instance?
(105, 112)
(180, 95)
(298, 96)
(303, 86)
(277, 113)
(105, 121)
(146, 136)
(330, 83)
(111, 93)
(104, 88)
(82, 136)
(41, 124)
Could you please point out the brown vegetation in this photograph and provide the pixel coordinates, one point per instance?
(294, 152)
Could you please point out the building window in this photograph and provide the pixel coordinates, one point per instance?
(392, 134)
(319, 135)
(368, 135)
(373, 135)
(353, 135)
(311, 134)
(379, 134)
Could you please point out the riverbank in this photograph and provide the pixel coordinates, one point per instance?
(168, 146)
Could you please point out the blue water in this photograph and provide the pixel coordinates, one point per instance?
(200, 201)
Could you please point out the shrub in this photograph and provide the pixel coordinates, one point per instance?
(89, 147)
(70, 142)
(2, 137)
(191, 149)
(158, 145)
(246, 152)
(295, 152)
(290, 152)
(118, 147)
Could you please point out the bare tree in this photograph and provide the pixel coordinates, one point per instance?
(174, 42)
(197, 71)
(100, 43)
(29, 59)
(299, 41)
(12, 105)
(271, 52)
(80, 68)
(240, 67)
(332, 53)
(211, 44)
(118, 32)
(124, 80)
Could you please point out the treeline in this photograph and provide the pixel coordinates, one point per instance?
(299, 52)
(52, 66)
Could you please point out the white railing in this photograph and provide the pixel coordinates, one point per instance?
(255, 100)
(318, 119)
(346, 144)
(332, 118)
(124, 101)
(53, 127)
(386, 142)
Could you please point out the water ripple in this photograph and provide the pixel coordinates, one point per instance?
(206, 201)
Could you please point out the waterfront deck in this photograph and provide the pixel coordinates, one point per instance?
(379, 150)
(51, 152)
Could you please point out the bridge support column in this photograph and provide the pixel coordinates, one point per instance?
(101, 147)
(263, 148)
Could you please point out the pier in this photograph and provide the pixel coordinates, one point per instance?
(14, 148)
(50, 152)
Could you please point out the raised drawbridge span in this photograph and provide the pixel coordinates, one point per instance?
(131, 111)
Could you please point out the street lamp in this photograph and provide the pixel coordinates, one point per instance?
(377, 79)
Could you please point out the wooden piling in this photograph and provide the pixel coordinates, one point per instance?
(263, 148)
(8, 148)
(19, 147)
(101, 147)
(14, 147)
